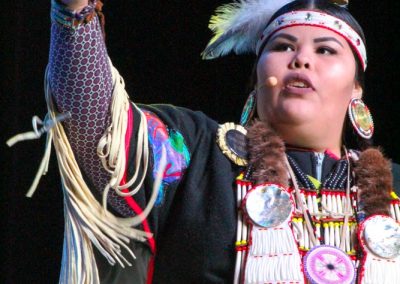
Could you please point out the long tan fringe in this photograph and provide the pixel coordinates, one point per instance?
(87, 222)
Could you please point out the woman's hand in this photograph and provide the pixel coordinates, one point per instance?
(75, 5)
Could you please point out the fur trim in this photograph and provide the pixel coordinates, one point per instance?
(372, 170)
(374, 181)
(266, 154)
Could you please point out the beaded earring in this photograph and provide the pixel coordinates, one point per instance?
(248, 109)
(361, 118)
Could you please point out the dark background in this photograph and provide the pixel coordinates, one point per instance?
(156, 48)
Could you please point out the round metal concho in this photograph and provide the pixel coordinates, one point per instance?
(268, 205)
(328, 265)
(382, 236)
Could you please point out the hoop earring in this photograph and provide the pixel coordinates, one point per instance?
(248, 109)
(361, 118)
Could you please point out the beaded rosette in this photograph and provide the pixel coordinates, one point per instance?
(361, 118)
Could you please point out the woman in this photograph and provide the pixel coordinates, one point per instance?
(307, 73)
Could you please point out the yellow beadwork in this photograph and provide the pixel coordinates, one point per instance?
(314, 181)
(240, 243)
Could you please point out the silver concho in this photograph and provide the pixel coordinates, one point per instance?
(268, 205)
(382, 236)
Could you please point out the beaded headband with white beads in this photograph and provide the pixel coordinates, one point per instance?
(316, 19)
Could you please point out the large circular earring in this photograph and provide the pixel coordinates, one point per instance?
(361, 118)
(248, 109)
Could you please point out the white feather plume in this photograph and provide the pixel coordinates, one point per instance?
(238, 26)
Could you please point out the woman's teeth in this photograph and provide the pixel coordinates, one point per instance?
(298, 84)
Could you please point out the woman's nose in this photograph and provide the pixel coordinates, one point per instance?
(300, 60)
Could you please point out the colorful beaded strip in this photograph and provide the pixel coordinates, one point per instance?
(62, 15)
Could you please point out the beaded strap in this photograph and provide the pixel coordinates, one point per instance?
(303, 180)
(62, 15)
(338, 177)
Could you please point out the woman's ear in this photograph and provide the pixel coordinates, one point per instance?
(357, 91)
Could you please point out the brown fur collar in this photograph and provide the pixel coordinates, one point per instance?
(374, 181)
(266, 154)
(373, 171)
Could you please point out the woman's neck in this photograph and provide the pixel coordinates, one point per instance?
(318, 140)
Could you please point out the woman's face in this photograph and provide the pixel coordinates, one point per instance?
(315, 70)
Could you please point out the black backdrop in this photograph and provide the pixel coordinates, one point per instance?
(156, 48)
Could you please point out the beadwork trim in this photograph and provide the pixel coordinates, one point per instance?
(302, 177)
(385, 269)
(62, 15)
(317, 19)
(361, 118)
(226, 147)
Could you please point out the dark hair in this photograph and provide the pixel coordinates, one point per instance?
(342, 13)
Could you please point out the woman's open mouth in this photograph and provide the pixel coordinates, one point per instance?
(298, 84)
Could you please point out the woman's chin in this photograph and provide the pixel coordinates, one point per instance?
(297, 114)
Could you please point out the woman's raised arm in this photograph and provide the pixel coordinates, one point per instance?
(81, 83)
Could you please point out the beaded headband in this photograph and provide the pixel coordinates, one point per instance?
(316, 19)
(237, 27)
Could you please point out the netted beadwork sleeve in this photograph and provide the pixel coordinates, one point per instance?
(81, 83)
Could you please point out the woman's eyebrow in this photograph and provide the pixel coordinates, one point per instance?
(322, 39)
(285, 36)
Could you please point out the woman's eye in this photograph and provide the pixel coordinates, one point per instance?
(326, 50)
(283, 47)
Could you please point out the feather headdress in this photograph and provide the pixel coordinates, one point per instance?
(237, 27)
